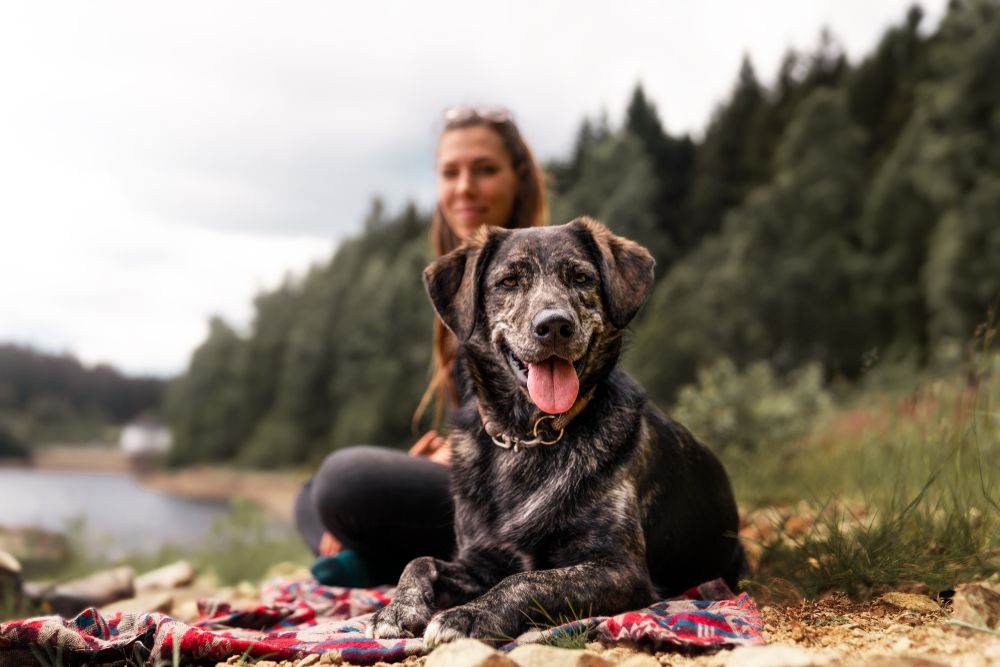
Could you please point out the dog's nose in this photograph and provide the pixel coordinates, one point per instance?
(553, 325)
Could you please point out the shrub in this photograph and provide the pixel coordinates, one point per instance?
(738, 411)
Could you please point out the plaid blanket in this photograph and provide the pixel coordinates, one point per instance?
(298, 618)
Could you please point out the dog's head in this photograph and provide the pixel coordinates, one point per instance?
(541, 311)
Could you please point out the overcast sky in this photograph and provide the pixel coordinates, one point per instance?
(163, 163)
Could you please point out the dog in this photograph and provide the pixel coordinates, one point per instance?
(572, 493)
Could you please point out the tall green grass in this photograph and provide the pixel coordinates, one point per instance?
(899, 489)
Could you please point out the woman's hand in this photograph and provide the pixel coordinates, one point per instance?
(329, 545)
(432, 446)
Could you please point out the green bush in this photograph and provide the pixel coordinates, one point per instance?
(737, 411)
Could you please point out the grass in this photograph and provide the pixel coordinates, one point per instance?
(241, 546)
(900, 490)
(569, 631)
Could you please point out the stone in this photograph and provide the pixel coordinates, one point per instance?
(99, 589)
(539, 655)
(157, 601)
(902, 661)
(977, 604)
(331, 658)
(9, 564)
(775, 655)
(640, 660)
(920, 604)
(10, 581)
(467, 653)
(310, 659)
(170, 576)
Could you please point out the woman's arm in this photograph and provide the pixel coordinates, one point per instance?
(432, 446)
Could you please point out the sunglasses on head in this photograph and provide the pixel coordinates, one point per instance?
(461, 114)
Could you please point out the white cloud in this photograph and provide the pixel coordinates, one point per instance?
(82, 271)
(161, 162)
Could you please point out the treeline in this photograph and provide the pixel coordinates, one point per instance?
(840, 213)
(859, 216)
(47, 396)
(339, 357)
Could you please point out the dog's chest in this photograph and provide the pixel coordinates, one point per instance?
(518, 499)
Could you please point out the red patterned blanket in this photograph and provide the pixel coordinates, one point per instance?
(298, 618)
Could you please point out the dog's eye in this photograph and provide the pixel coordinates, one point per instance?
(509, 281)
(581, 278)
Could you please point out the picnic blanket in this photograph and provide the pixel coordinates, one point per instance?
(296, 618)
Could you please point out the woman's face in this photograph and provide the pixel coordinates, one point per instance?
(476, 180)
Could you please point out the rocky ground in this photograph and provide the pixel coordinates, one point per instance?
(895, 629)
(834, 632)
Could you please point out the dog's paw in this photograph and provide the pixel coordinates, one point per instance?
(458, 622)
(396, 620)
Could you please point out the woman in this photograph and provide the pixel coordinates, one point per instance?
(368, 511)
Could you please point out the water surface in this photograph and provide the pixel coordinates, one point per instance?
(119, 514)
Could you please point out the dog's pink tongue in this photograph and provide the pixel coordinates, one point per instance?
(553, 385)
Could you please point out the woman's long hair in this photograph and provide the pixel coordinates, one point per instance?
(529, 210)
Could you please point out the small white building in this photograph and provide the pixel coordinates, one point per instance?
(144, 436)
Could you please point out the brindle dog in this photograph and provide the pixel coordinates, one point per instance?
(625, 508)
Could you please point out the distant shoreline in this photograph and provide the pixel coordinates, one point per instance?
(273, 492)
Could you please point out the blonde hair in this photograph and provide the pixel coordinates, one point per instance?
(529, 210)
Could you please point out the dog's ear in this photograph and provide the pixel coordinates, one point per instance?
(626, 269)
(453, 281)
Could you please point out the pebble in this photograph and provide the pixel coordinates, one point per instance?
(467, 653)
(177, 574)
(775, 655)
(910, 602)
(142, 604)
(538, 655)
(640, 660)
(977, 604)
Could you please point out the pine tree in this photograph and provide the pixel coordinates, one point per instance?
(944, 153)
(205, 405)
(779, 281)
(725, 168)
(673, 168)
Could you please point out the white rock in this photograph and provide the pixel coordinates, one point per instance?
(539, 655)
(170, 576)
(775, 655)
(639, 660)
(9, 563)
(467, 653)
(142, 604)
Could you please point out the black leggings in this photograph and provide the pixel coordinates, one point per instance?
(381, 503)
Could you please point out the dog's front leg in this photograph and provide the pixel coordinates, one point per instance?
(531, 599)
(427, 584)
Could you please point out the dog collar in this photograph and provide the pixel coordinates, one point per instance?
(556, 429)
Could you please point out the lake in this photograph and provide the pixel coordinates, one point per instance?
(120, 514)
